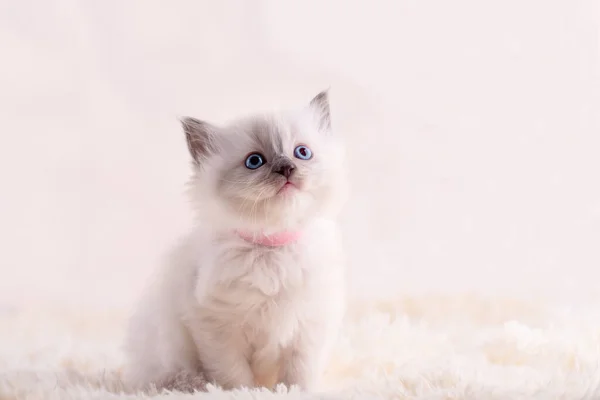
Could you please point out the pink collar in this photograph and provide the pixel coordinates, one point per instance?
(274, 240)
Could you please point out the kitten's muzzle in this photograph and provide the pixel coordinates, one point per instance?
(284, 167)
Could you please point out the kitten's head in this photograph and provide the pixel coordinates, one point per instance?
(267, 172)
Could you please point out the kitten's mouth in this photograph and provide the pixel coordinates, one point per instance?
(287, 187)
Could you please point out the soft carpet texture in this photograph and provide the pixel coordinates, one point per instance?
(414, 348)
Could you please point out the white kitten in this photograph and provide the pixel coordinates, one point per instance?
(255, 294)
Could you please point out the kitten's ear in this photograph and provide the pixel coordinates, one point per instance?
(200, 137)
(320, 105)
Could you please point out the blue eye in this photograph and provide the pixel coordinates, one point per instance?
(254, 161)
(302, 152)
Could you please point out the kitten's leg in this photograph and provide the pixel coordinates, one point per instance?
(300, 367)
(304, 361)
(229, 368)
(264, 364)
(224, 356)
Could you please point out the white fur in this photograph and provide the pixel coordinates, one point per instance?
(238, 313)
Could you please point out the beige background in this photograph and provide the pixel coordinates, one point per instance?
(473, 129)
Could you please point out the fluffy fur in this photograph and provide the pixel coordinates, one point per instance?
(236, 313)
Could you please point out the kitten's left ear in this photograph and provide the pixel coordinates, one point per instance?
(320, 105)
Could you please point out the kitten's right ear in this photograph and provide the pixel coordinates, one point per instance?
(200, 137)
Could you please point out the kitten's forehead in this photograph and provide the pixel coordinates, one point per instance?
(270, 132)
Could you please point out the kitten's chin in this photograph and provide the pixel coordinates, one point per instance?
(287, 208)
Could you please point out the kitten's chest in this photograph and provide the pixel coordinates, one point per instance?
(264, 272)
(240, 281)
(255, 290)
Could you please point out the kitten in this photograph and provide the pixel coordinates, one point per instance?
(254, 296)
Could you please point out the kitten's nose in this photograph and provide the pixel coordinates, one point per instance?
(285, 169)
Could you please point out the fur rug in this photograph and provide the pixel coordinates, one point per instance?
(414, 348)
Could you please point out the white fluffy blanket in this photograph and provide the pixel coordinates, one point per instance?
(415, 348)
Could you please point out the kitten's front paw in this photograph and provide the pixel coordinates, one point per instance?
(296, 372)
(304, 385)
